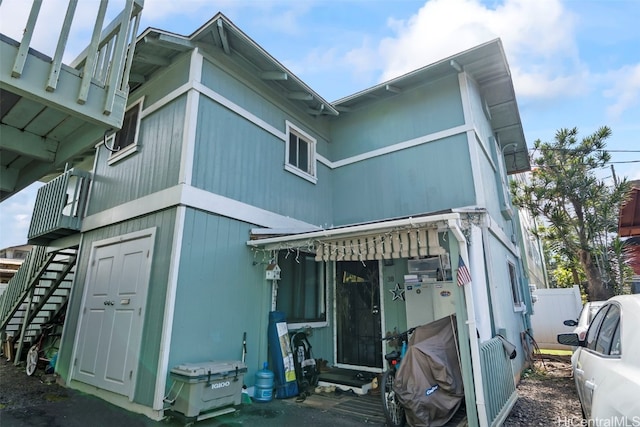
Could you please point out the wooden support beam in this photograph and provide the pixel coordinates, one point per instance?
(223, 37)
(393, 89)
(153, 59)
(27, 144)
(456, 66)
(8, 179)
(171, 42)
(274, 75)
(301, 96)
(137, 78)
(316, 112)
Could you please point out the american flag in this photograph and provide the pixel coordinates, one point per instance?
(464, 276)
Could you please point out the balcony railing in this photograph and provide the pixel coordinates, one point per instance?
(105, 62)
(59, 207)
(499, 386)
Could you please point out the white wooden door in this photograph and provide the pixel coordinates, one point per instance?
(111, 323)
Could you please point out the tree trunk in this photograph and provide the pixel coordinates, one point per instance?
(597, 290)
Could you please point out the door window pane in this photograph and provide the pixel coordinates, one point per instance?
(592, 333)
(607, 330)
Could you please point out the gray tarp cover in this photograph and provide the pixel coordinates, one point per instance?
(429, 382)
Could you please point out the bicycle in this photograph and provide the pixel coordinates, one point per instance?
(46, 343)
(393, 410)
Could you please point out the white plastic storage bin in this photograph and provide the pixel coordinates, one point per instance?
(201, 387)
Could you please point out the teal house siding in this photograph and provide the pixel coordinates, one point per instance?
(209, 172)
(237, 159)
(164, 82)
(220, 294)
(408, 182)
(164, 222)
(424, 110)
(478, 112)
(489, 173)
(154, 167)
(497, 257)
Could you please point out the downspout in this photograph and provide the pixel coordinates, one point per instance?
(473, 338)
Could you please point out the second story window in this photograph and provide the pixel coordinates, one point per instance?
(300, 153)
(126, 139)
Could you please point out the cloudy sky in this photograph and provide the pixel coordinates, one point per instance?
(575, 63)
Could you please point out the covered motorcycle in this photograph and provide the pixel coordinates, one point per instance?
(428, 383)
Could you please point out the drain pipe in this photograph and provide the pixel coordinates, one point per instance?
(471, 322)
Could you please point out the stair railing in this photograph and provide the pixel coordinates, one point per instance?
(13, 296)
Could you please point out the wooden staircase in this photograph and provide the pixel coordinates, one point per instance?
(36, 295)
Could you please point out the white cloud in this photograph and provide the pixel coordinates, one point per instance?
(15, 216)
(543, 84)
(624, 88)
(279, 16)
(538, 39)
(15, 13)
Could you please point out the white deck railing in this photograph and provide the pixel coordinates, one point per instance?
(105, 62)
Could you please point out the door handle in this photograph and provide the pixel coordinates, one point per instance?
(579, 372)
(590, 385)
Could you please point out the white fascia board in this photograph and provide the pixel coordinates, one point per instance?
(204, 200)
(403, 145)
(185, 195)
(282, 231)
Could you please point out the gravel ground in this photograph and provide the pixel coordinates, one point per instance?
(547, 396)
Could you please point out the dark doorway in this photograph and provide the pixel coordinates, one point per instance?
(358, 314)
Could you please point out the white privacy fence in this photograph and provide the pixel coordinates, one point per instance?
(553, 307)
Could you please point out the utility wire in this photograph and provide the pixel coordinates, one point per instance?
(626, 161)
(571, 149)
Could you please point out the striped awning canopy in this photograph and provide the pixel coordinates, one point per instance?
(408, 243)
(392, 239)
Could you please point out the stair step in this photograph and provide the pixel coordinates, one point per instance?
(47, 300)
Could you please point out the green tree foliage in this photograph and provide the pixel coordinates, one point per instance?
(563, 271)
(580, 210)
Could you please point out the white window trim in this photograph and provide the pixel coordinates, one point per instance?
(519, 306)
(319, 323)
(311, 177)
(119, 155)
